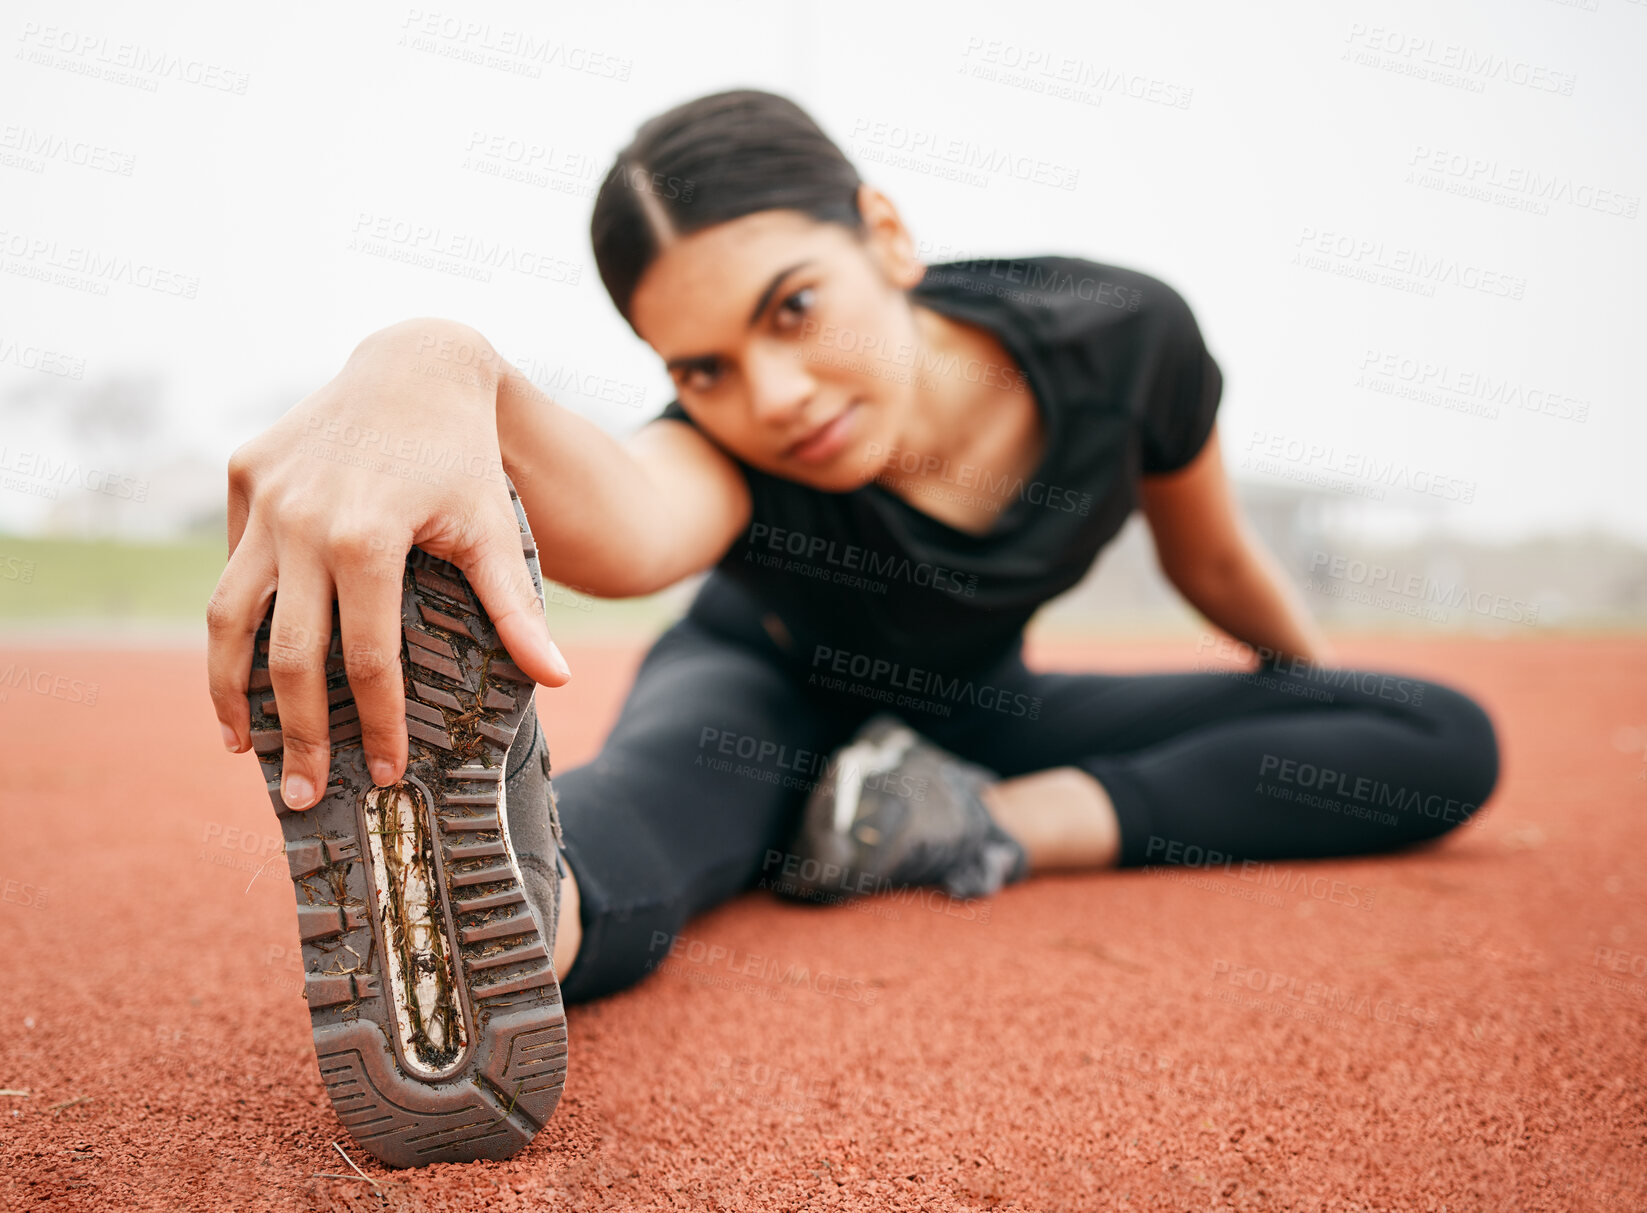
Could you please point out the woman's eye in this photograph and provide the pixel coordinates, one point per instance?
(794, 307)
(698, 379)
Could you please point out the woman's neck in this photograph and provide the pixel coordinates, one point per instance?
(974, 421)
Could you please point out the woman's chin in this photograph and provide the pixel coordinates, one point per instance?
(847, 480)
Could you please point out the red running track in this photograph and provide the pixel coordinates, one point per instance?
(1472, 1036)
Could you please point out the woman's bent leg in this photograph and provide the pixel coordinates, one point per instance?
(1276, 764)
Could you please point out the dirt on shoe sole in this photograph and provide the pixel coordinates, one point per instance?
(438, 1023)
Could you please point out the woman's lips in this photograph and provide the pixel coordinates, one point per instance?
(828, 440)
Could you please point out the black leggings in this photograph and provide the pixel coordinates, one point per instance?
(698, 788)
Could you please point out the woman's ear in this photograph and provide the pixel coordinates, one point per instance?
(889, 241)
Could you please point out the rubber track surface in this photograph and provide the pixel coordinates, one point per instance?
(1072, 1051)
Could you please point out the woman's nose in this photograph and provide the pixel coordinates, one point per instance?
(780, 383)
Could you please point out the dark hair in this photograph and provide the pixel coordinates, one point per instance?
(707, 161)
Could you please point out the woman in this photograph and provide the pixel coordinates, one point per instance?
(889, 467)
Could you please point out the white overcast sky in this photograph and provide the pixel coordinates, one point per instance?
(1256, 134)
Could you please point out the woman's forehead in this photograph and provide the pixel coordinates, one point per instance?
(708, 282)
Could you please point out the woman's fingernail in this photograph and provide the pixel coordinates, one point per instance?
(230, 739)
(558, 660)
(383, 771)
(299, 791)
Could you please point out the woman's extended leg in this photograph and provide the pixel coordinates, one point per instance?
(1276, 764)
(712, 754)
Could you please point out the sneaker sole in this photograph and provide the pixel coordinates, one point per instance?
(438, 1023)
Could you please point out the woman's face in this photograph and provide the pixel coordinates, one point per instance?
(790, 341)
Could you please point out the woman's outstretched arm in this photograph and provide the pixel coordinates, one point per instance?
(402, 447)
(625, 518)
(1220, 567)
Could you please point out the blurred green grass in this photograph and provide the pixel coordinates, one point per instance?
(74, 580)
(94, 586)
(87, 582)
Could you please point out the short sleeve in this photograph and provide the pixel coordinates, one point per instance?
(1181, 401)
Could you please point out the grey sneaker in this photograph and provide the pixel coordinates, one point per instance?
(427, 935)
(892, 810)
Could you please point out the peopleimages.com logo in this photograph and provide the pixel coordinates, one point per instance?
(1367, 791)
(850, 563)
(901, 685)
(927, 467)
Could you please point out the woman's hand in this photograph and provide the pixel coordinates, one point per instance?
(401, 448)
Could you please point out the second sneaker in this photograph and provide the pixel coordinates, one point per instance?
(891, 810)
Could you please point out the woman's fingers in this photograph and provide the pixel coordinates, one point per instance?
(497, 570)
(299, 635)
(233, 615)
(240, 494)
(368, 577)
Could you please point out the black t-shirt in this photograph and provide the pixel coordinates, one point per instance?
(1117, 365)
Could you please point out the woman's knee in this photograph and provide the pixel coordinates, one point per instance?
(1475, 741)
(1469, 762)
